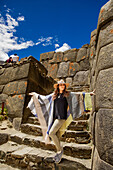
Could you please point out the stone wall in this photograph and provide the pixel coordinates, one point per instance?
(101, 78)
(16, 81)
(71, 65)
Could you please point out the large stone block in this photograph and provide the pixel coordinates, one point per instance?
(105, 35)
(69, 80)
(104, 134)
(105, 58)
(3, 138)
(15, 105)
(70, 55)
(99, 164)
(73, 68)
(106, 13)
(16, 87)
(84, 64)
(93, 41)
(81, 78)
(3, 97)
(1, 88)
(52, 70)
(92, 126)
(63, 69)
(45, 63)
(104, 89)
(92, 52)
(45, 56)
(94, 32)
(82, 53)
(17, 123)
(57, 58)
(2, 70)
(14, 73)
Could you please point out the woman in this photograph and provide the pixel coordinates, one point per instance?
(59, 115)
(63, 107)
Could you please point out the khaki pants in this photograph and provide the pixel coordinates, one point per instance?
(53, 133)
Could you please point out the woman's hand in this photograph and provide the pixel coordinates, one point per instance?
(93, 92)
(32, 93)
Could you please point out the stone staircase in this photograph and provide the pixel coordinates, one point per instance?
(26, 149)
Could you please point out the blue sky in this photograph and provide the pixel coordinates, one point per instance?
(32, 27)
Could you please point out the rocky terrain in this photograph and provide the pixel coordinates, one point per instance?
(88, 141)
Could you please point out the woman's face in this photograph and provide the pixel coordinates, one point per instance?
(61, 87)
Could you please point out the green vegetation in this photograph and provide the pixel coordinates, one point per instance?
(4, 115)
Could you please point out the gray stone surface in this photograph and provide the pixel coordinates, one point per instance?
(92, 41)
(92, 52)
(3, 138)
(1, 88)
(52, 70)
(73, 68)
(104, 89)
(104, 134)
(15, 105)
(81, 78)
(2, 70)
(106, 13)
(7, 167)
(57, 58)
(63, 69)
(47, 55)
(105, 58)
(15, 87)
(84, 64)
(70, 55)
(14, 73)
(69, 80)
(82, 53)
(92, 127)
(105, 35)
(94, 32)
(45, 63)
(16, 123)
(99, 164)
(3, 97)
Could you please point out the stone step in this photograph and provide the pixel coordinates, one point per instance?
(26, 157)
(7, 167)
(81, 137)
(74, 136)
(75, 125)
(78, 150)
(84, 116)
(31, 129)
(33, 120)
(79, 125)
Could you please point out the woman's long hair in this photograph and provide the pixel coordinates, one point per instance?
(56, 92)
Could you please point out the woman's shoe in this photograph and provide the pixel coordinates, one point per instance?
(58, 157)
(54, 158)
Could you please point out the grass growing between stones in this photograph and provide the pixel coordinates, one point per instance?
(3, 116)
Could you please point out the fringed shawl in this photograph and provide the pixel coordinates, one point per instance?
(42, 107)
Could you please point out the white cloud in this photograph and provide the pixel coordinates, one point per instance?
(8, 41)
(21, 18)
(63, 48)
(8, 10)
(47, 41)
(57, 45)
(11, 21)
(3, 56)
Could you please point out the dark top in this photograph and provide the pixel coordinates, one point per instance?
(60, 107)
